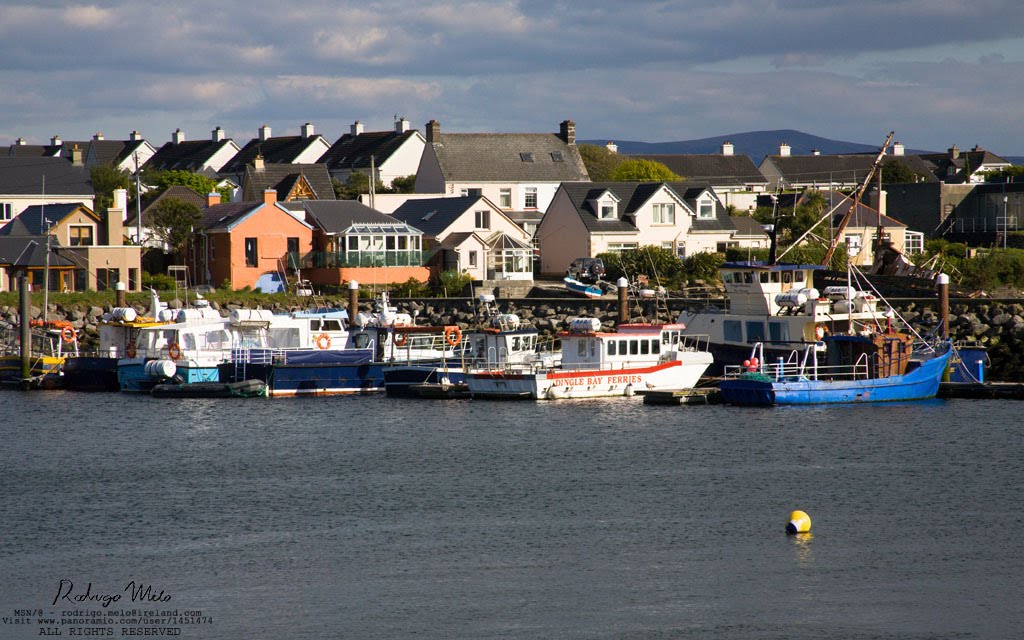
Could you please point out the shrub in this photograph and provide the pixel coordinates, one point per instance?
(451, 283)
(158, 281)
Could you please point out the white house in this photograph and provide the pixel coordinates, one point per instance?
(389, 154)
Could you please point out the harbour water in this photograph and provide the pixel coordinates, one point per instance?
(371, 517)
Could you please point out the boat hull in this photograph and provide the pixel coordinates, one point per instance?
(406, 380)
(920, 383)
(91, 373)
(311, 373)
(132, 376)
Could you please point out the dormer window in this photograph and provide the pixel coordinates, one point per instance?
(607, 210)
(705, 209)
(526, 156)
(556, 156)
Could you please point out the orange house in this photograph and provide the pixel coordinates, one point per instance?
(249, 244)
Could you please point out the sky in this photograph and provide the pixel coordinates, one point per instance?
(937, 72)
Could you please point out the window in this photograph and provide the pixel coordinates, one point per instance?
(6, 211)
(664, 213)
(106, 279)
(853, 245)
(722, 247)
(607, 211)
(483, 219)
(556, 156)
(133, 279)
(914, 242)
(505, 198)
(526, 157)
(251, 255)
(755, 331)
(611, 347)
(733, 331)
(622, 246)
(81, 235)
(706, 210)
(472, 258)
(463, 192)
(530, 198)
(778, 331)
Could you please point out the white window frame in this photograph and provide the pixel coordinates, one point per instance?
(482, 219)
(853, 244)
(663, 213)
(705, 209)
(607, 210)
(505, 198)
(530, 193)
(6, 211)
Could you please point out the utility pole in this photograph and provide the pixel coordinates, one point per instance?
(138, 206)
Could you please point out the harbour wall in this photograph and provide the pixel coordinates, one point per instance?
(997, 325)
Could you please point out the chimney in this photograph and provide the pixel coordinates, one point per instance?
(212, 198)
(20, 142)
(897, 149)
(258, 163)
(401, 125)
(815, 152)
(97, 136)
(76, 157)
(784, 150)
(612, 147)
(55, 141)
(954, 152)
(264, 133)
(269, 196)
(307, 130)
(178, 136)
(116, 213)
(977, 147)
(356, 128)
(433, 131)
(217, 135)
(135, 136)
(567, 131)
(727, 148)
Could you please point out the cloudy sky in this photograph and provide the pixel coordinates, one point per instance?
(938, 72)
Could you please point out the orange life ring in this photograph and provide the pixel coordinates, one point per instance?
(174, 351)
(453, 335)
(130, 350)
(68, 334)
(819, 332)
(323, 341)
(401, 339)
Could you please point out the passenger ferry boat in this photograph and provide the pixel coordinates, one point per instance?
(635, 358)
(777, 306)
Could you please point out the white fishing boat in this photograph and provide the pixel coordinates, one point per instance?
(637, 357)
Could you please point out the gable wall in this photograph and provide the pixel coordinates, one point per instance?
(562, 236)
(271, 227)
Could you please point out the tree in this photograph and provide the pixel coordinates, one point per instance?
(599, 161)
(357, 183)
(172, 221)
(160, 181)
(640, 170)
(404, 185)
(895, 172)
(105, 178)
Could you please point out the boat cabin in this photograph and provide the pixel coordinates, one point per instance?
(584, 345)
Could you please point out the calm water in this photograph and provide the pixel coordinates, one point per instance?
(377, 518)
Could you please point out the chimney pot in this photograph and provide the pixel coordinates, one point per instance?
(611, 146)
(178, 136)
(815, 152)
(269, 196)
(56, 141)
(97, 136)
(264, 133)
(307, 130)
(897, 149)
(954, 152)
(356, 128)
(401, 125)
(784, 150)
(258, 163)
(76, 157)
(212, 198)
(135, 136)
(20, 142)
(727, 148)
(217, 135)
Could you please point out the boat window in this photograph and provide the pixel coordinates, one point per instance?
(188, 341)
(787, 277)
(611, 347)
(332, 325)
(517, 344)
(314, 324)
(655, 347)
(727, 277)
(634, 348)
(775, 276)
(755, 331)
(798, 276)
(645, 347)
(284, 338)
(361, 340)
(732, 331)
(481, 346)
(778, 331)
(748, 277)
(764, 276)
(593, 348)
(582, 349)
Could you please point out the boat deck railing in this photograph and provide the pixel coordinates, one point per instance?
(797, 366)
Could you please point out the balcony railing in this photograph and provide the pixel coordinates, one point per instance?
(332, 260)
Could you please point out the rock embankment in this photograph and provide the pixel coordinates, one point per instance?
(997, 325)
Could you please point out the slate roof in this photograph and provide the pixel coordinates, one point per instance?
(716, 169)
(24, 176)
(176, 191)
(825, 169)
(219, 217)
(282, 177)
(964, 162)
(632, 195)
(335, 216)
(747, 226)
(353, 152)
(434, 215)
(189, 155)
(690, 192)
(30, 251)
(499, 157)
(113, 151)
(864, 216)
(35, 220)
(275, 150)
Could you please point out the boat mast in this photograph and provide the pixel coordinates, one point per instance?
(856, 200)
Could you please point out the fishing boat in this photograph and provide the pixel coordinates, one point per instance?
(777, 306)
(582, 288)
(503, 339)
(635, 358)
(52, 343)
(866, 367)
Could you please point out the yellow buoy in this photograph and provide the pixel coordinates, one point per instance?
(799, 522)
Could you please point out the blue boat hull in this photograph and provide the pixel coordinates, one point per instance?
(919, 383)
(311, 372)
(132, 376)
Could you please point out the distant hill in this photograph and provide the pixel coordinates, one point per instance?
(754, 144)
